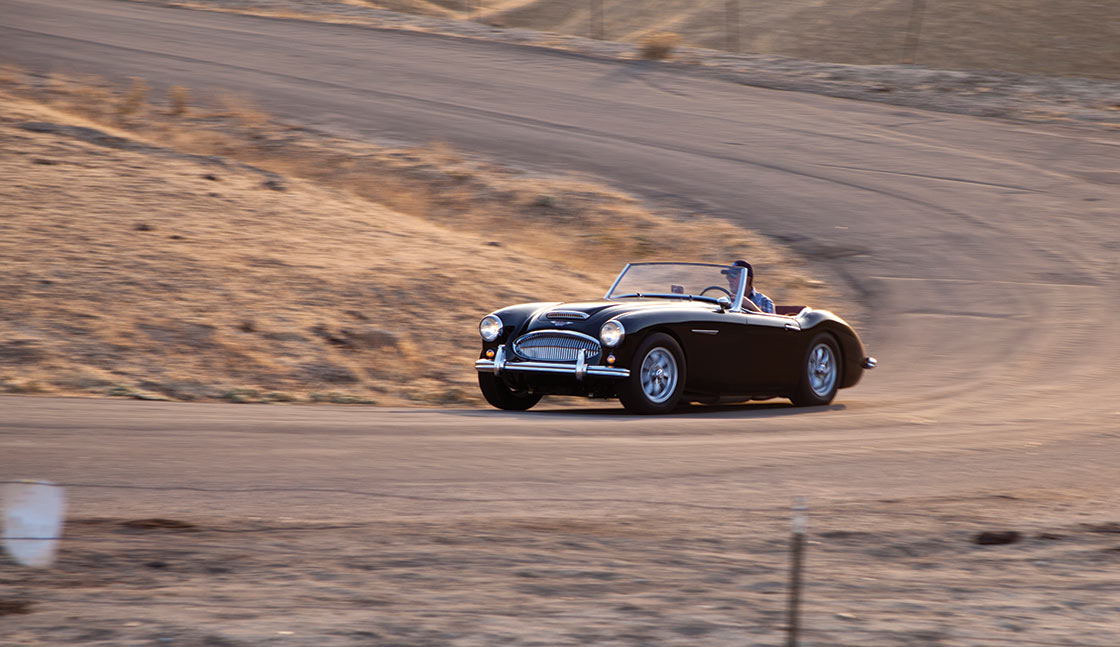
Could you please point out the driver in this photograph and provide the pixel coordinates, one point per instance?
(752, 299)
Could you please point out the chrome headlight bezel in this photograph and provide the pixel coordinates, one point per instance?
(612, 333)
(490, 328)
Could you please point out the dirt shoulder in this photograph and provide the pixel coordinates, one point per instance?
(158, 249)
(979, 92)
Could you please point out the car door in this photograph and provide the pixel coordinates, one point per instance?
(706, 340)
(762, 347)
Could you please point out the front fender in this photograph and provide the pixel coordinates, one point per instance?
(514, 319)
(638, 325)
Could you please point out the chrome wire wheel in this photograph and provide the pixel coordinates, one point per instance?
(659, 375)
(823, 370)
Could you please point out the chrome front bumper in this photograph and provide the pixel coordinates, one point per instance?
(580, 369)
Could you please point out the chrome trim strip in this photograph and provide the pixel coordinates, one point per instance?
(869, 362)
(768, 320)
(485, 365)
(740, 294)
(555, 331)
(619, 278)
(704, 331)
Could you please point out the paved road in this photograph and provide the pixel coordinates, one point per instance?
(984, 253)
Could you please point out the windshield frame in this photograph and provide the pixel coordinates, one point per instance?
(736, 300)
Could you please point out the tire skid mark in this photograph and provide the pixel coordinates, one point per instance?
(933, 177)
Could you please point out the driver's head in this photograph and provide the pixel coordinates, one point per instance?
(736, 272)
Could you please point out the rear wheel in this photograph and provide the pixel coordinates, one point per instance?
(820, 373)
(499, 394)
(657, 377)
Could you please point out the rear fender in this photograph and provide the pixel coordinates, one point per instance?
(852, 351)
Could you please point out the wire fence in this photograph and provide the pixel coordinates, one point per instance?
(867, 29)
(1053, 37)
(169, 535)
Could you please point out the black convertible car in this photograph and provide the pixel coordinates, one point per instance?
(666, 333)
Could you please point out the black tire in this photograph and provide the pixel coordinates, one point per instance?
(498, 393)
(647, 391)
(820, 372)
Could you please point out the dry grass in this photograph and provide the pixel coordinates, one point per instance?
(134, 100)
(658, 46)
(163, 265)
(178, 100)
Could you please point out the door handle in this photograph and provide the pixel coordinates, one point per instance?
(792, 326)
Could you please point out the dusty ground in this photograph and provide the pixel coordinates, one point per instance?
(647, 577)
(209, 525)
(214, 254)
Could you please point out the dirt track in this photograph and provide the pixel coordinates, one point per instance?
(983, 255)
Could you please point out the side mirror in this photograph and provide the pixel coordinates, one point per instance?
(724, 304)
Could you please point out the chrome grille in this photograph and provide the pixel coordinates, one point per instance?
(555, 346)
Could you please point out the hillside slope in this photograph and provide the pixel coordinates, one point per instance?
(1050, 37)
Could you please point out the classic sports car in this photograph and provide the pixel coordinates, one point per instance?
(666, 333)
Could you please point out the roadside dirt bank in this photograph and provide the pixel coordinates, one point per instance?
(977, 92)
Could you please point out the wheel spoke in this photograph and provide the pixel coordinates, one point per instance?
(822, 370)
(659, 375)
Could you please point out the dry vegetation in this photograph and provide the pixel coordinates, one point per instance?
(157, 248)
(659, 46)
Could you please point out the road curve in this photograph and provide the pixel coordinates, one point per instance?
(982, 253)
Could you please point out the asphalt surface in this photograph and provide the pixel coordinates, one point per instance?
(980, 254)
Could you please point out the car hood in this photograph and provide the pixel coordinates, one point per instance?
(587, 316)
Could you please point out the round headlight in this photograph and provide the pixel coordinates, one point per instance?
(612, 333)
(490, 327)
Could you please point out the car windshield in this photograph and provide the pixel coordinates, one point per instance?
(678, 280)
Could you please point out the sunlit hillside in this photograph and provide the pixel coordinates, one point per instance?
(1052, 37)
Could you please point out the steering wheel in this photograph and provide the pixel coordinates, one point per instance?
(716, 287)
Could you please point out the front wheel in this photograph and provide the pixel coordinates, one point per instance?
(499, 394)
(657, 377)
(820, 373)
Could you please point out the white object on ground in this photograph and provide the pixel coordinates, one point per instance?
(33, 515)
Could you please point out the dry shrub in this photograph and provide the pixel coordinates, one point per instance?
(659, 45)
(178, 98)
(244, 110)
(12, 73)
(135, 99)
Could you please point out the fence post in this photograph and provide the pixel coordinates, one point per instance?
(595, 19)
(731, 22)
(913, 31)
(799, 525)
